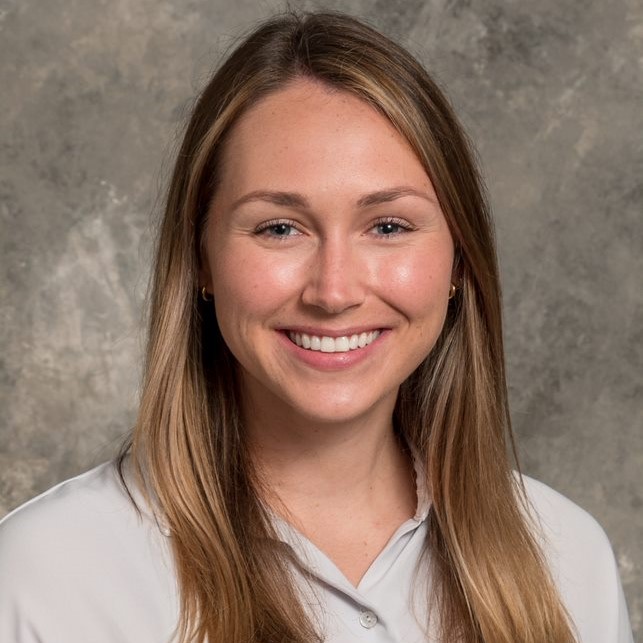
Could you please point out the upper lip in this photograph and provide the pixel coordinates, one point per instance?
(329, 332)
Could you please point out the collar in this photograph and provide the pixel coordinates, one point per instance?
(288, 534)
(283, 529)
(421, 489)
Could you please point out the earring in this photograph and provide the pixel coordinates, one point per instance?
(452, 291)
(204, 295)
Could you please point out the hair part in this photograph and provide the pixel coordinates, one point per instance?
(489, 577)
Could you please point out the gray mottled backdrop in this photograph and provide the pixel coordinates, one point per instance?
(93, 93)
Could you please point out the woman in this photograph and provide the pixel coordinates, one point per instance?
(321, 448)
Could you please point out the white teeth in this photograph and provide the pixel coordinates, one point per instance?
(342, 344)
(327, 344)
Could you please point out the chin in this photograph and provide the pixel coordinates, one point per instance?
(342, 409)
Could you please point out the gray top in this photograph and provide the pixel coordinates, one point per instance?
(77, 564)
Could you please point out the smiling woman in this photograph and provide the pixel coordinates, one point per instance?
(348, 242)
(322, 451)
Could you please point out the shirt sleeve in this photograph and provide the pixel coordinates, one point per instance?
(16, 567)
(79, 565)
(623, 627)
(582, 564)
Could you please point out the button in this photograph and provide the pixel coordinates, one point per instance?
(163, 527)
(165, 530)
(367, 619)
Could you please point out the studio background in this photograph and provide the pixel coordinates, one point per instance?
(94, 95)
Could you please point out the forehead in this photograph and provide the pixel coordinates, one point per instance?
(311, 133)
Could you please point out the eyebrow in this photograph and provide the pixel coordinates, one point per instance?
(386, 196)
(296, 200)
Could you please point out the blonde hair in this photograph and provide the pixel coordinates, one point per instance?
(489, 577)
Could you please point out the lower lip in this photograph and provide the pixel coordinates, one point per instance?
(332, 361)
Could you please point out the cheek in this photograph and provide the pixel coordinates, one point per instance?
(249, 285)
(417, 281)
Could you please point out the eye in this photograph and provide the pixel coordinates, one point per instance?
(391, 226)
(277, 228)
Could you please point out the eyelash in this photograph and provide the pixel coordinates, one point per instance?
(405, 225)
(264, 228)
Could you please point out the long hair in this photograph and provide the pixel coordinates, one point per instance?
(490, 582)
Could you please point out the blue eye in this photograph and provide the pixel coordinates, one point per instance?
(391, 227)
(277, 229)
(280, 229)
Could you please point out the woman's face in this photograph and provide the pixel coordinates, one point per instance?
(328, 256)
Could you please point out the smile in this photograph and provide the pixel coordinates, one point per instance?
(327, 344)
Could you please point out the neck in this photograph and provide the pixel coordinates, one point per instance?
(306, 465)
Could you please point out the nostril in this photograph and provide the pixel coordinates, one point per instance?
(334, 289)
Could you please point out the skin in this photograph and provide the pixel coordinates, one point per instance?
(362, 246)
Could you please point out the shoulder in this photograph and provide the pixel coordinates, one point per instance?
(80, 556)
(54, 518)
(582, 564)
(98, 484)
(563, 524)
(59, 519)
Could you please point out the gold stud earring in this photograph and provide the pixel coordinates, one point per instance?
(452, 291)
(204, 295)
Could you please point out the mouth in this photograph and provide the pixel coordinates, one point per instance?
(326, 344)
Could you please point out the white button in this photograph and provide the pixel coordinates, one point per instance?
(163, 527)
(165, 530)
(367, 619)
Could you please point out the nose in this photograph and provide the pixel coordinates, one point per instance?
(336, 277)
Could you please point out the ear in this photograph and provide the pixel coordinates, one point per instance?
(204, 274)
(456, 271)
(205, 278)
